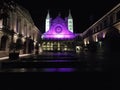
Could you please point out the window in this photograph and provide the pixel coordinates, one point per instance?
(4, 21)
(118, 15)
(92, 31)
(1, 23)
(97, 28)
(100, 26)
(111, 19)
(70, 21)
(105, 23)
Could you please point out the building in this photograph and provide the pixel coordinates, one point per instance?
(105, 32)
(17, 29)
(58, 34)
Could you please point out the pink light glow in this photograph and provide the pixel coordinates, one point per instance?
(58, 30)
(103, 35)
(59, 36)
(59, 69)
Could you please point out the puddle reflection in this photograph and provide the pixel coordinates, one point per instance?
(59, 69)
(58, 61)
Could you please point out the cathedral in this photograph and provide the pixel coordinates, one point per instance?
(59, 34)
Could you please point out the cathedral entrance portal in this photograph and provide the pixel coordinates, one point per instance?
(56, 46)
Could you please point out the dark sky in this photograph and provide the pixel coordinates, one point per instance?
(81, 10)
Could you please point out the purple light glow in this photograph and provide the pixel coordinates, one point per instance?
(58, 61)
(59, 69)
(66, 70)
(58, 36)
(58, 30)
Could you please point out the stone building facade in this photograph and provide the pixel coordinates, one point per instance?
(17, 29)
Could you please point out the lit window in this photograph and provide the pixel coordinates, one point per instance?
(1, 23)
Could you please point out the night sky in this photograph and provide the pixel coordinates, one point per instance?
(84, 12)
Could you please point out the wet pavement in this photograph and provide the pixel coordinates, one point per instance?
(70, 70)
(61, 62)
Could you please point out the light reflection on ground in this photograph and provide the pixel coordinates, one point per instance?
(40, 70)
(59, 69)
(61, 62)
(58, 61)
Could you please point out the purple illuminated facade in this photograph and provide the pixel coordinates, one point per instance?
(58, 34)
(58, 29)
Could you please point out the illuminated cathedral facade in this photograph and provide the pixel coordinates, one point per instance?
(58, 28)
(58, 34)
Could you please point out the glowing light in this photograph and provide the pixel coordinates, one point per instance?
(41, 50)
(85, 43)
(77, 48)
(88, 42)
(103, 35)
(65, 49)
(59, 36)
(58, 60)
(48, 49)
(5, 58)
(100, 43)
(23, 39)
(1, 23)
(58, 69)
(15, 38)
(42, 36)
(58, 30)
(34, 43)
(96, 39)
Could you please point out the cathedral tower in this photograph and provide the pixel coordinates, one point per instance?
(47, 22)
(70, 22)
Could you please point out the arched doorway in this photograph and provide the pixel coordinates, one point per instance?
(30, 46)
(4, 42)
(19, 44)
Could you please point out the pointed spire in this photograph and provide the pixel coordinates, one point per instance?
(48, 15)
(69, 16)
